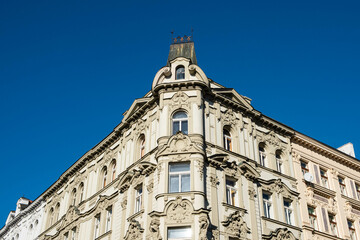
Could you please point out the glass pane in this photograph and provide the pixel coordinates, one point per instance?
(179, 115)
(174, 183)
(180, 167)
(185, 183)
(184, 127)
(179, 233)
(176, 127)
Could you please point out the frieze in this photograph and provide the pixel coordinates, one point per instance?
(180, 100)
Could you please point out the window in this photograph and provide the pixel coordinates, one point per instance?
(333, 226)
(57, 211)
(52, 216)
(142, 146)
(97, 226)
(104, 176)
(312, 217)
(342, 185)
(138, 198)
(73, 233)
(227, 140)
(351, 230)
(288, 211)
(81, 192)
(324, 178)
(179, 177)
(182, 233)
(357, 190)
(279, 162)
(180, 122)
(180, 72)
(73, 197)
(304, 167)
(66, 236)
(108, 219)
(230, 192)
(262, 156)
(113, 171)
(267, 204)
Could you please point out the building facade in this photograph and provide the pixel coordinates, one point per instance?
(191, 159)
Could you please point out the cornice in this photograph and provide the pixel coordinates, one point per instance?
(325, 150)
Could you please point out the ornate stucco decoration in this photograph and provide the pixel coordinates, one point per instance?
(140, 127)
(203, 224)
(229, 118)
(214, 181)
(154, 230)
(179, 211)
(248, 171)
(134, 231)
(277, 186)
(200, 166)
(236, 226)
(71, 215)
(180, 100)
(280, 234)
(179, 144)
(136, 175)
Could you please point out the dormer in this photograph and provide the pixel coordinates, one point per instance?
(181, 65)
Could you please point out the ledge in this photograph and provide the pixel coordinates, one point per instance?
(281, 223)
(190, 193)
(226, 205)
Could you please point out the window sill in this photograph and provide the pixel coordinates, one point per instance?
(190, 193)
(281, 223)
(135, 215)
(229, 206)
(104, 235)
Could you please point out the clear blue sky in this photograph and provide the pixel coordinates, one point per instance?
(69, 69)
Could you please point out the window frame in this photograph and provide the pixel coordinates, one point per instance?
(333, 224)
(262, 156)
(352, 230)
(180, 227)
(304, 167)
(342, 185)
(279, 162)
(180, 175)
(231, 191)
(108, 222)
(288, 210)
(227, 140)
(181, 122)
(313, 217)
(139, 192)
(97, 222)
(267, 204)
(180, 75)
(324, 178)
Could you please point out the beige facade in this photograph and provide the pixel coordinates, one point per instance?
(329, 191)
(194, 160)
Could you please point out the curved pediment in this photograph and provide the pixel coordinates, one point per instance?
(278, 186)
(178, 144)
(248, 171)
(280, 234)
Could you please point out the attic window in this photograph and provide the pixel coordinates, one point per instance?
(180, 72)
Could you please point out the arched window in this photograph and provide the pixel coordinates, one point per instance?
(113, 170)
(57, 211)
(279, 162)
(142, 146)
(104, 176)
(180, 122)
(51, 216)
(81, 189)
(262, 155)
(227, 140)
(180, 72)
(73, 197)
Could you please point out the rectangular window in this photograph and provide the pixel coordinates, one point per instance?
(179, 177)
(304, 167)
(262, 156)
(357, 190)
(288, 211)
(97, 226)
(267, 204)
(324, 178)
(312, 217)
(73, 233)
(108, 219)
(183, 233)
(138, 198)
(231, 192)
(351, 230)
(333, 226)
(342, 185)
